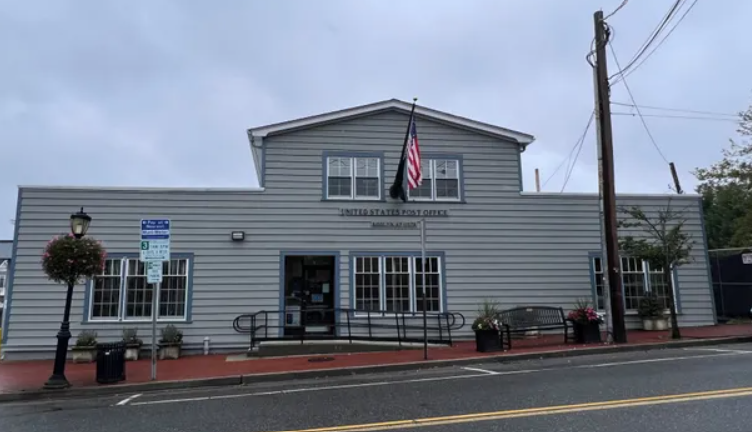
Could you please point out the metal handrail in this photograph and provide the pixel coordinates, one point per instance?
(445, 322)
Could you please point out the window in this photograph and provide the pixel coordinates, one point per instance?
(637, 278)
(122, 292)
(353, 177)
(394, 283)
(3, 277)
(633, 281)
(441, 180)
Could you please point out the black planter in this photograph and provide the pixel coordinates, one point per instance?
(587, 333)
(487, 340)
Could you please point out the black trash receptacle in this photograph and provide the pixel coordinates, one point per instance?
(110, 362)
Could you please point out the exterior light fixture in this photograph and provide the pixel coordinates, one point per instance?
(238, 236)
(79, 223)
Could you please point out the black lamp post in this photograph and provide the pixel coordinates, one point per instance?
(79, 223)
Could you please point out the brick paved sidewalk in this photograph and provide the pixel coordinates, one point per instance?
(30, 375)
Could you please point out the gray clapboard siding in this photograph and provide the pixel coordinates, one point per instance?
(519, 249)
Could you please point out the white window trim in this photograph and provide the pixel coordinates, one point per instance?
(432, 169)
(353, 176)
(414, 298)
(123, 298)
(646, 282)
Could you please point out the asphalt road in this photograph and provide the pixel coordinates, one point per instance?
(698, 389)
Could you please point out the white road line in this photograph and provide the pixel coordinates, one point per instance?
(485, 373)
(128, 399)
(480, 370)
(720, 350)
(663, 359)
(309, 389)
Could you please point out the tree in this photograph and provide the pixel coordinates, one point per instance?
(662, 243)
(726, 189)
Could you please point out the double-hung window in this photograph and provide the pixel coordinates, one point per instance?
(441, 180)
(395, 284)
(122, 292)
(353, 177)
(637, 277)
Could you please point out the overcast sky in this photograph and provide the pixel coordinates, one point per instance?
(160, 93)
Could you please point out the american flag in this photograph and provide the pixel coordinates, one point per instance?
(414, 173)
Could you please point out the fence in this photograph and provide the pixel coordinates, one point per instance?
(732, 282)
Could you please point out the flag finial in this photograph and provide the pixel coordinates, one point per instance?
(415, 99)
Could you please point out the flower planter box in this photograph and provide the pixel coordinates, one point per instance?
(655, 323)
(169, 351)
(587, 333)
(487, 341)
(84, 354)
(132, 352)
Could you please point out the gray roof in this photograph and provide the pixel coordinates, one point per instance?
(6, 249)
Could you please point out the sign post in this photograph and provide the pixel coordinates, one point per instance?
(154, 250)
(423, 284)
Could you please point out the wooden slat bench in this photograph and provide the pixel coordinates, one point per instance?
(526, 318)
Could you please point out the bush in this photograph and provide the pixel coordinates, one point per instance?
(650, 306)
(488, 316)
(171, 335)
(87, 339)
(130, 337)
(69, 260)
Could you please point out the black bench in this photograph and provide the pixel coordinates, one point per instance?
(526, 318)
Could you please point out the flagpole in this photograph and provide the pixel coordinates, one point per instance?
(423, 276)
(397, 189)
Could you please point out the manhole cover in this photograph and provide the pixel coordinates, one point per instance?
(320, 359)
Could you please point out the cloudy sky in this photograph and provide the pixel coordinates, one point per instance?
(160, 93)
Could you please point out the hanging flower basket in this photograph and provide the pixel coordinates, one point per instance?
(69, 260)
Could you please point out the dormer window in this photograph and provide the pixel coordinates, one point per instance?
(353, 176)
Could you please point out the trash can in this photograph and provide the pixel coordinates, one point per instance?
(110, 362)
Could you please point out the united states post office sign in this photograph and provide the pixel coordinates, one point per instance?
(354, 212)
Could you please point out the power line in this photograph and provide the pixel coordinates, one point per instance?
(592, 115)
(651, 38)
(624, 3)
(639, 113)
(624, 75)
(678, 117)
(579, 149)
(675, 109)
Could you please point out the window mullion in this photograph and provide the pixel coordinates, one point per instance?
(412, 284)
(353, 182)
(382, 282)
(123, 287)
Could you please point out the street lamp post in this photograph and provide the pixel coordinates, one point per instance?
(79, 224)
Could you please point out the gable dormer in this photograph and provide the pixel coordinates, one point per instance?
(356, 152)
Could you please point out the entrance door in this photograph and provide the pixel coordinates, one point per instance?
(309, 295)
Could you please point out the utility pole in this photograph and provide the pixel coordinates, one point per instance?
(677, 185)
(603, 111)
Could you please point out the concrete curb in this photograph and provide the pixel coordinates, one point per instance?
(238, 380)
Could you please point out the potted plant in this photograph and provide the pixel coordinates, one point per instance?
(85, 349)
(486, 327)
(650, 311)
(170, 343)
(586, 323)
(132, 343)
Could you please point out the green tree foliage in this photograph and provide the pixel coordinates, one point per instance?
(726, 189)
(660, 240)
